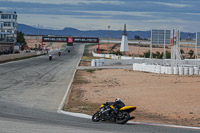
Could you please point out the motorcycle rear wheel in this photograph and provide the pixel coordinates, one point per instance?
(122, 117)
(96, 117)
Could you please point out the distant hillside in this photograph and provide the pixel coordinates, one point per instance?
(91, 33)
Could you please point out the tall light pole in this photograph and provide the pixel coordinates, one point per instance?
(151, 46)
(164, 50)
(108, 33)
(196, 45)
(38, 39)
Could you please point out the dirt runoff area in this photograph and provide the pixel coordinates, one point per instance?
(164, 99)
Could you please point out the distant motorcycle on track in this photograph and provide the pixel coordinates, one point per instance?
(50, 57)
(59, 53)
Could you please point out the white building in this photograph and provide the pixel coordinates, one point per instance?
(8, 30)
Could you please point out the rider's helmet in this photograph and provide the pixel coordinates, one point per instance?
(117, 99)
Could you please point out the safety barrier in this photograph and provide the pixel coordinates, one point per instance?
(196, 70)
(189, 70)
(111, 56)
(186, 70)
(97, 62)
(181, 70)
(176, 72)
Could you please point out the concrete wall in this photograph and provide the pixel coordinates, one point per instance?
(167, 62)
(16, 56)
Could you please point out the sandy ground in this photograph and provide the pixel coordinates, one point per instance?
(165, 99)
(168, 99)
(31, 44)
(137, 50)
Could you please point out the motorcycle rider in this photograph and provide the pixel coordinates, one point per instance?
(59, 53)
(118, 104)
(50, 57)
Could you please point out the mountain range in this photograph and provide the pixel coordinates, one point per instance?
(29, 30)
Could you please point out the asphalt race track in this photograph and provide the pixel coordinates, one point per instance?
(32, 90)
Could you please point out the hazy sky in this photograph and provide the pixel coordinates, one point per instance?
(99, 14)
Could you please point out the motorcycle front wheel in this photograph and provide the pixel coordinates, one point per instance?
(122, 117)
(96, 117)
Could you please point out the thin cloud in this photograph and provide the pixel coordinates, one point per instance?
(98, 14)
(71, 2)
(197, 14)
(141, 14)
(173, 4)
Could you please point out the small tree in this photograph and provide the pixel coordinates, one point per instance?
(39, 46)
(21, 40)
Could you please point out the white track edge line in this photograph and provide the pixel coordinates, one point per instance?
(163, 125)
(80, 115)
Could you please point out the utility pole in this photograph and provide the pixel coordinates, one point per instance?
(38, 37)
(164, 51)
(108, 33)
(151, 46)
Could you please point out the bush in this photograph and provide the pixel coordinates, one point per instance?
(116, 52)
(91, 70)
(182, 52)
(168, 55)
(191, 53)
(147, 54)
(157, 55)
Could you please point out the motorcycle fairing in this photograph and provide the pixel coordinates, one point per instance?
(128, 108)
(104, 105)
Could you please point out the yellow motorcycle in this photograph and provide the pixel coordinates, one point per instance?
(107, 113)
